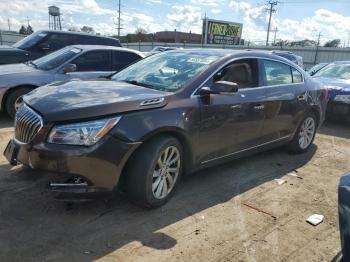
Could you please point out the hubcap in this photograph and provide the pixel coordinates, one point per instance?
(18, 103)
(307, 132)
(166, 172)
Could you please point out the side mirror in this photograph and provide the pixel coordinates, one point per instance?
(220, 88)
(44, 46)
(69, 68)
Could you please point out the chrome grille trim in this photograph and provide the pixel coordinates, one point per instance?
(27, 124)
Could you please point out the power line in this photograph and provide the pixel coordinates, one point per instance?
(9, 24)
(317, 46)
(119, 25)
(271, 10)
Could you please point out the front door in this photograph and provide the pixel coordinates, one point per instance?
(232, 123)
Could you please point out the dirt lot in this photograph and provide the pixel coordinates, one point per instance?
(205, 221)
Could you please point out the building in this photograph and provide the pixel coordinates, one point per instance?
(178, 37)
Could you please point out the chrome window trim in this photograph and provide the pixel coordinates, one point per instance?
(246, 149)
(193, 94)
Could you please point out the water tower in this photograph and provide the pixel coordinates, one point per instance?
(54, 18)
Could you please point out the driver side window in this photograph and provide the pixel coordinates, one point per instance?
(243, 72)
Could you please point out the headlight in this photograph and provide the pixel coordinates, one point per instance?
(342, 98)
(86, 133)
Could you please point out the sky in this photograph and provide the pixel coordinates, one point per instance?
(294, 19)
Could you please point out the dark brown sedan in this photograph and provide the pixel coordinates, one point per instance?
(170, 113)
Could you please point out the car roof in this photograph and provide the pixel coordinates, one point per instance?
(224, 53)
(106, 47)
(75, 33)
(341, 62)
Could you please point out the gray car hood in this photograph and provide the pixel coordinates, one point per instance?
(16, 69)
(77, 100)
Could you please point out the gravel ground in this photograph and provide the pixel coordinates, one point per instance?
(206, 220)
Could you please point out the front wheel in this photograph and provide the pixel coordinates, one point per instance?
(15, 100)
(304, 135)
(154, 171)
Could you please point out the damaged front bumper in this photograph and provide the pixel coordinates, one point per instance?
(80, 172)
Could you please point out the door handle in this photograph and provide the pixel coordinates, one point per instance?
(259, 107)
(236, 107)
(301, 97)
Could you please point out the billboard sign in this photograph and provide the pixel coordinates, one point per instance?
(221, 32)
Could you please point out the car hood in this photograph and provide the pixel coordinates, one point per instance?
(77, 100)
(335, 86)
(16, 69)
(7, 47)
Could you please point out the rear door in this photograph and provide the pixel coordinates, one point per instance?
(92, 64)
(284, 88)
(232, 123)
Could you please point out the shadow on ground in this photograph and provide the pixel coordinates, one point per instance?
(36, 228)
(5, 120)
(337, 128)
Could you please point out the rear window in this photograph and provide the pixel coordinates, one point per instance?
(122, 59)
(277, 73)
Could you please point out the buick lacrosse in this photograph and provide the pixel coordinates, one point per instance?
(171, 113)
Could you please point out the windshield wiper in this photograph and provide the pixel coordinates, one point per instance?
(137, 83)
(33, 64)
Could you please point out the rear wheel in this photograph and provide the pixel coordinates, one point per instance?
(154, 172)
(15, 100)
(304, 135)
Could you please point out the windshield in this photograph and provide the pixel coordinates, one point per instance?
(341, 71)
(168, 71)
(56, 59)
(30, 40)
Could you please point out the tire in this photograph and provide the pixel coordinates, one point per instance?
(143, 171)
(299, 145)
(10, 104)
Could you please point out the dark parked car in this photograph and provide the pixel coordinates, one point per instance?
(313, 70)
(344, 217)
(174, 112)
(42, 43)
(298, 60)
(78, 61)
(336, 77)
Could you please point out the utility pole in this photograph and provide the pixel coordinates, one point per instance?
(318, 44)
(274, 39)
(271, 10)
(9, 23)
(119, 18)
(28, 21)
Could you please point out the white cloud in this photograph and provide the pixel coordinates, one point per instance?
(331, 25)
(186, 18)
(207, 2)
(216, 11)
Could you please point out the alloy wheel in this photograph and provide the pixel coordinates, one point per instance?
(307, 132)
(166, 172)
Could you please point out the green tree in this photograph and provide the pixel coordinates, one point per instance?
(87, 29)
(23, 30)
(29, 30)
(332, 43)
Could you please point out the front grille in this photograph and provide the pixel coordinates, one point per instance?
(27, 124)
